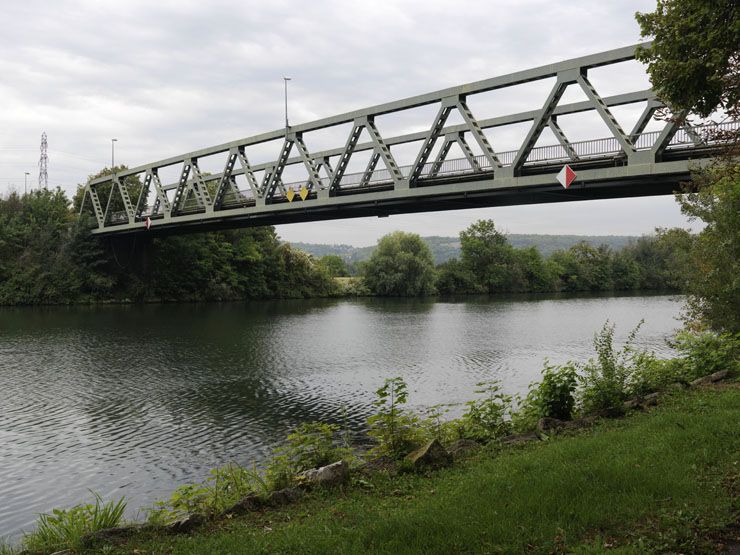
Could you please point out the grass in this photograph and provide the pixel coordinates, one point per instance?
(654, 482)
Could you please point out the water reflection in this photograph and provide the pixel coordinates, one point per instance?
(135, 400)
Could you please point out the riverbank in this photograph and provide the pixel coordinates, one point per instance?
(665, 480)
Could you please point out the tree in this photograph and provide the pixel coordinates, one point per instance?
(694, 64)
(400, 266)
(334, 265)
(693, 61)
(489, 257)
(453, 278)
(714, 281)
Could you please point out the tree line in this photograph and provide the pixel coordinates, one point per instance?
(402, 265)
(48, 256)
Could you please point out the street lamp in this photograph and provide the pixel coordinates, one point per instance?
(285, 80)
(112, 153)
(25, 183)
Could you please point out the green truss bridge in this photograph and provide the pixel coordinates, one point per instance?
(451, 163)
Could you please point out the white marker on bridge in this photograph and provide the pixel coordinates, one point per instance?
(566, 176)
(148, 222)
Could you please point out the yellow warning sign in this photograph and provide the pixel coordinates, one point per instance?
(289, 194)
(303, 192)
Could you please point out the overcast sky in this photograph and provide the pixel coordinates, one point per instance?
(168, 77)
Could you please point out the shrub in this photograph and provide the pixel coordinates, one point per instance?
(65, 528)
(435, 427)
(224, 487)
(654, 374)
(395, 430)
(310, 445)
(486, 418)
(606, 380)
(552, 397)
(708, 352)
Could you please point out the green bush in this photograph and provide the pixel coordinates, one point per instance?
(606, 380)
(396, 431)
(486, 418)
(708, 352)
(654, 374)
(553, 397)
(434, 426)
(310, 445)
(65, 528)
(224, 487)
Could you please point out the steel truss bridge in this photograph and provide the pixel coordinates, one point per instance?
(245, 193)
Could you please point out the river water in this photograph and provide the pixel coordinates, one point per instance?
(136, 400)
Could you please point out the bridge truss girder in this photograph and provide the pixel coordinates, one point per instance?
(216, 198)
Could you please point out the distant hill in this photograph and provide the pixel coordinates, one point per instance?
(445, 248)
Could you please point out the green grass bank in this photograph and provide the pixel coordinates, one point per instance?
(661, 481)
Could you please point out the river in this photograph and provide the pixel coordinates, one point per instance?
(136, 400)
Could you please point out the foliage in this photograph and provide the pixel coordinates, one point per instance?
(553, 397)
(65, 528)
(486, 418)
(694, 64)
(490, 264)
(223, 487)
(453, 278)
(310, 445)
(400, 266)
(48, 256)
(714, 270)
(708, 352)
(693, 60)
(394, 429)
(606, 380)
(334, 265)
(435, 425)
(488, 256)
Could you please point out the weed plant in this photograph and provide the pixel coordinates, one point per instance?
(223, 487)
(66, 528)
(310, 445)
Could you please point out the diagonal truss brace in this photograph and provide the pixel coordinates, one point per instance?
(668, 132)
(368, 174)
(431, 139)
(450, 139)
(349, 148)
(227, 180)
(128, 208)
(273, 175)
(562, 139)
(162, 203)
(313, 171)
(477, 133)
(538, 125)
(384, 151)
(605, 113)
(97, 207)
(143, 195)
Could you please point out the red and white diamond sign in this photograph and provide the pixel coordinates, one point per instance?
(566, 176)
(148, 222)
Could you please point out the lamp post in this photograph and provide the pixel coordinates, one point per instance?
(25, 183)
(113, 153)
(285, 80)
